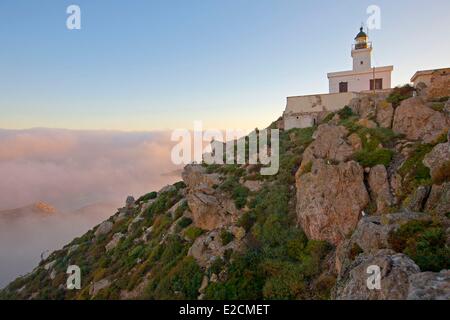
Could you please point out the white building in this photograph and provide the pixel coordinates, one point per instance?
(306, 111)
(363, 77)
(429, 76)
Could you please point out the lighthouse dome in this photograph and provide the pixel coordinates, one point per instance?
(361, 34)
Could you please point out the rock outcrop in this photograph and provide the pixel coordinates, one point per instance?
(99, 285)
(438, 201)
(330, 199)
(395, 271)
(429, 286)
(363, 106)
(329, 143)
(208, 247)
(104, 228)
(380, 188)
(385, 114)
(418, 198)
(418, 122)
(372, 234)
(114, 241)
(438, 160)
(210, 208)
(400, 279)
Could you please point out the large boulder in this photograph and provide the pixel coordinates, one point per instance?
(210, 208)
(366, 123)
(418, 122)
(129, 202)
(416, 201)
(363, 106)
(210, 212)
(439, 199)
(329, 143)
(104, 228)
(330, 200)
(395, 271)
(385, 114)
(99, 285)
(114, 241)
(380, 188)
(372, 234)
(438, 160)
(195, 175)
(208, 247)
(429, 286)
(447, 108)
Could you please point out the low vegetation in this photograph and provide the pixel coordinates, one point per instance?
(425, 242)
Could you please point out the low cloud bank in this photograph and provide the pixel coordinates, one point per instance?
(71, 170)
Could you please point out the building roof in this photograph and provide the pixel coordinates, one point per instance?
(426, 72)
(360, 72)
(361, 34)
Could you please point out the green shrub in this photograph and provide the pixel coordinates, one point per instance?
(182, 282)
(164, 202)
(247, 220)
(229, 184)
(226, 237)
(148, 196)
(371, 138)
(313, 255)
(442, 174)
(245, 280)
(240, 194)
(295, 247)
(193, 233)
(413, 171)
(350, 123)
(181, 209)
(307, 168)
(424, 242)
(355, 251)
(438, 106)
(299, 137)
(285, 280)
(345, 113)
(184, 222)
(372, 158)
(399, 94)
(328, 118)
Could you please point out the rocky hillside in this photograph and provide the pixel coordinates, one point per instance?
(370, 185)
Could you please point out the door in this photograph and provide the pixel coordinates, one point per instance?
(378, 84)
(343, 86)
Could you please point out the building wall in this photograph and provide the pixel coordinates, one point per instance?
(430, 76)
(364, 56)
(359, 81)
(305, 111)
(300, 121)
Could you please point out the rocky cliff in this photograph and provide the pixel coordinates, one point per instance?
(369, 186)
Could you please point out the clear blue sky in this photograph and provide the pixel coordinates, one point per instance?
(147, 65)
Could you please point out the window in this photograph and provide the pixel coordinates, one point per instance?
(378, 84)
(343, 86)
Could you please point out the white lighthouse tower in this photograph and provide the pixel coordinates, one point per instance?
(363, 76)
(362, 52)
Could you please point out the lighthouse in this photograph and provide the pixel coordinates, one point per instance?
(363, 76)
